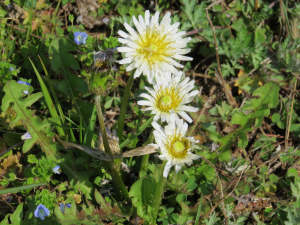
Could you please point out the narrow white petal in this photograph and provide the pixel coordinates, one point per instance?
(131, 67)
(126, 61)
(167, 169)
(185, 116)
(144, 95)
(124, 49)
(183, 129)
(123, 34)
(178, 167)
(137, 73)
(162, 157)
(144, 102)
(184, 58)
(187, 108)
(147, 18)
(130, 29)
(158, 128)
(195, 157)
(165, 18)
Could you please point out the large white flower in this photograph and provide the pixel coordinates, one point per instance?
(154, 47)
(173, 145)
(170, 96)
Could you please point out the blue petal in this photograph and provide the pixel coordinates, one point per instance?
(76, 34)
(62, 207)
(84, 35)
(23, 82)
(68, 205)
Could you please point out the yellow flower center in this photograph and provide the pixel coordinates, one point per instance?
(154, 46)
(168, 98)
(178, 146)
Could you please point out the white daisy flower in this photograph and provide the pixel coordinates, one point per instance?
(170, 96)
(173, 145)
(154, 47)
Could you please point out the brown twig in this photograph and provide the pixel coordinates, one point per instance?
(228, 93)
(283, 17)
(24, 31)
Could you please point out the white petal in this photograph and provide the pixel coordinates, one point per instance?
(124, 49)
(178, 167)
(162, 157)
(183, 129)
(158, 128)
(126, 61)
(144, 102)
(181, 57)
(144, 95)
(195, 157)
(187, 108)
(185, 116)
(123, 34)
(130, 29)
(147, 18)
(130, 67)
(167, 169)
(137, 73)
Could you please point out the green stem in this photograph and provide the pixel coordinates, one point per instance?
(29, 28)
(114, 170)
(124, 107)
(144, 164)
(158, 193)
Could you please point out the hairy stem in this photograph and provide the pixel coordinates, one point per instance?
(115, 172)
(124, 107)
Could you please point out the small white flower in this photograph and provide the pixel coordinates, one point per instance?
(26, 136)
(173, 145)
(154, 47)
(170, 96)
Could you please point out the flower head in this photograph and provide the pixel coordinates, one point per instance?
(26, 83)
(103, 59)
(68, 205)
(55, 169)
(174, 146)
(80, 37)
(170, 96)
(25, 136)
(113, 141)
(41, 212)
(154, 47)
(11, 69)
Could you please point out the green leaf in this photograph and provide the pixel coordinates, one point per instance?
(21, 188)
(142, 193)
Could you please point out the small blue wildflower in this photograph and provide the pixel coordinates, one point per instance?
(55, 169)
(62, 207)
(9, 199)
(80, 37)
(25, 136)
(23, 82)
(41, 212)
(11, 69)
(9, 5)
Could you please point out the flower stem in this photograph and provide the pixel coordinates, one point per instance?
(115, 172)
(158, 193)
(124, 107)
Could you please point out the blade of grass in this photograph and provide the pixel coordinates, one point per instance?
(49, 101)
(57, 104)
(21, 188)
(137, 133)
(199, 210)
(88, 136)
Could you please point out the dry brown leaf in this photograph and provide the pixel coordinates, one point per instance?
(145, 150)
